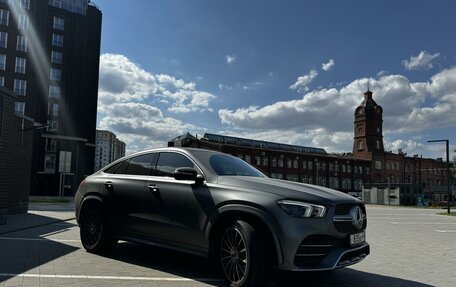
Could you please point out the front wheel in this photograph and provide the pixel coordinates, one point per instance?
(243, 256)
(94, 230)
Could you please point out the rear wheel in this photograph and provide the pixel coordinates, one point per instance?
(94, 230)
(243, 256)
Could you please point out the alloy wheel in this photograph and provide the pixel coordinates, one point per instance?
(91, 227)
(234, 255)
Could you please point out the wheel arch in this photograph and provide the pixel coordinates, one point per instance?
(231, 212)
(96, 200)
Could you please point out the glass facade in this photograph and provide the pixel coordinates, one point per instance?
(75, 6)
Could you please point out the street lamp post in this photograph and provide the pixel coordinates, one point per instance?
(447, 142)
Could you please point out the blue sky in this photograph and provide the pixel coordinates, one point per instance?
(288, 71)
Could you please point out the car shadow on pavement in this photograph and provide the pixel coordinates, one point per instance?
(27, 249)
(201, 269)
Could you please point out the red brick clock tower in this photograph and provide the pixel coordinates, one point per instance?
(368, 138)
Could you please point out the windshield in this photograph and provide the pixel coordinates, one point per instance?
(230, 165)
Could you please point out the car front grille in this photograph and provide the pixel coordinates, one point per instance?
(313, 249)
(342, 220)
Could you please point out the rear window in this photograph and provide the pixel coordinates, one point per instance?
(141, 165)
(113, 168)
(230, 165)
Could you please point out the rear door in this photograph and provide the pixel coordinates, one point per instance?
(127, 190)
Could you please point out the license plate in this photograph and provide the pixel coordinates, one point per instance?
(357, 238)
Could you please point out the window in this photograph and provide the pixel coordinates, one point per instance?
(2, 81)
(257, 160)
(56, 57)
(21, 44)
(292, 177)
(277, 175)
(20, 65)
(274, 162)
(168, 162)
(2, 61)
(53, 109)
(368, 170)
(334, 182)
(247, 158)
(49, 163)
(57, 40)
(3, 39)
(346, 183)
(344, 168)
(358, 184)
(304, 164)
(360, 145)
(289, 164)
(54, 91)
(378, 164)
(360, 129)
(19, 108)
(65, 161)
(349, 168)
(378, 144)
(309, 165)
(388, 165)
(141, 165)
(280, 162)
(113, 168)
(53, 126)
(20, 87)
(4, 17)
(23, 22)
(264, 161)
(51, 144)
(295, 164)
(331, 167)
(56, 74)
(59, 23)
(25, 4)
(228, 165)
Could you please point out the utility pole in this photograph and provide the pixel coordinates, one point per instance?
(447, 144)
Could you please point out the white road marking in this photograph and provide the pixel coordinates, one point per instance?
(39, 239)
(423, 223)
(445, 231)
(174, 279)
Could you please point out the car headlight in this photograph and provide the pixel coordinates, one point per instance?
(302, 209)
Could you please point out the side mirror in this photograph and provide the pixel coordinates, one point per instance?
(188, 173)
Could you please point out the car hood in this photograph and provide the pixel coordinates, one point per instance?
(289, 190)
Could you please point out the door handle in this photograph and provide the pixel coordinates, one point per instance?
(109, 186)
(153, 188)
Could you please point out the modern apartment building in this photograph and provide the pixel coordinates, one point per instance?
(49, 57)
(108, 148)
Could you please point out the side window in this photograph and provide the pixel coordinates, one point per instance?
(113, 168)
(141, 165)
(123, 167)
(168, 162)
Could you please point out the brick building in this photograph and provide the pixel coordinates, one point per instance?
(290, 162)
(367, 165)
(16, 138)
(414, 175)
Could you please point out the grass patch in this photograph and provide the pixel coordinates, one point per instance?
(452, 213)
(50, 200)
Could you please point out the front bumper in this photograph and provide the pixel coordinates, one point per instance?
(318, 244)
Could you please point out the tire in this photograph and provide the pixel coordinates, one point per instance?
(94, 230)
(243, 258)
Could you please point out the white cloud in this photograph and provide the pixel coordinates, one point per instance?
(423, 61)
(230, 59)
(324, 117)
(126, 96)
(224, 87)
(121, 80)
(303, 81)
(327, 66)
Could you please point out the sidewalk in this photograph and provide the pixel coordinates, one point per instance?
(39, 214)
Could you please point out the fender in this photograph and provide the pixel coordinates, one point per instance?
(268, 221)
(99, 199)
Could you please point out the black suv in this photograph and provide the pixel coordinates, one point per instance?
(216, 205)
